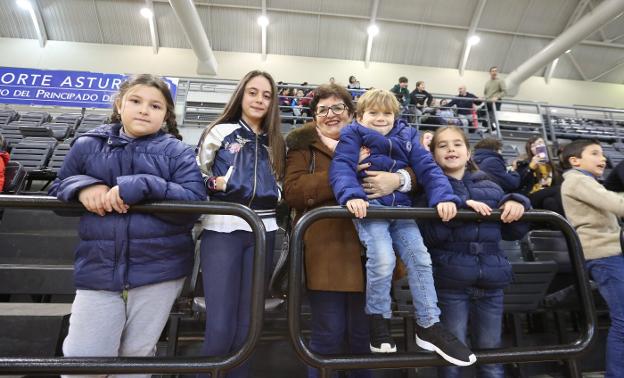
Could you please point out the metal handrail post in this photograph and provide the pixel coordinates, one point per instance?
(329, 363)
(116, 365)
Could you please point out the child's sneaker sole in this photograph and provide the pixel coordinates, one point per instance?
(432, 348)
(384, 348)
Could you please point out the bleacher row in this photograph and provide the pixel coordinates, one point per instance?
(38, 143)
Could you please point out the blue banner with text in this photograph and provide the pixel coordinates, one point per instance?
(62, 88)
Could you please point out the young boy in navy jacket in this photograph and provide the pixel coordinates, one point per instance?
(391, 145)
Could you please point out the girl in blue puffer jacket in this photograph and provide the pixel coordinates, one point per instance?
(242, 157)
(469, 268)
(129, 267)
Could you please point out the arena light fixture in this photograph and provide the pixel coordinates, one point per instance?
(263, 21)
(373, 30)
(568, 51)
(147, 13)
(473, 40)
(24, 4)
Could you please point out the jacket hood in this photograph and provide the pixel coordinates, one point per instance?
(482, 154)
(4, 156)
(303, 137)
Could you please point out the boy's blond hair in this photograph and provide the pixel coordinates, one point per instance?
(378, 99)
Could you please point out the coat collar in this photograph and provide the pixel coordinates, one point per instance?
(306, 137)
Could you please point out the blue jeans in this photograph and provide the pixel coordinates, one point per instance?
(339, 325)
(484, 310)
(382, 237)
(227, 267)
(608, 272)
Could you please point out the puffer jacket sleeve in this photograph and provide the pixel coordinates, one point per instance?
(186, 183)
(515, 230)
(343, 169)
(429, 174)
(495, 167)
(71, 178)
(208, 149)
(303, 189)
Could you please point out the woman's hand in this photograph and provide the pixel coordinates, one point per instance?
(512, 211)
(93, 198)
(364, 153)
(379, 183)
(479, 207)
(357, 207)
(535, 160)
(447, 210)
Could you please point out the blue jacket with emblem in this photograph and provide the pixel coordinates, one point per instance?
(396, 150)
(467, 253)
(242, 157)
(124, 251)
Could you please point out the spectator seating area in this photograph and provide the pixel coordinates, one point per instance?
(39, 142)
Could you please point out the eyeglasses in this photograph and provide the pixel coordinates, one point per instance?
(323, 111)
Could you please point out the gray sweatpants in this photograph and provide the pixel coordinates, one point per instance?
(102, 324)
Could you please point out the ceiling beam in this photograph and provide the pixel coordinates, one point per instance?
(97, 19)
(604, 13)
(371, 35)
(191, 24)
(576, 65)
(35, 16)
(264, 31)
(398, 21)
(601, 30)
(476, 16)
(576, 14)
(513, 39)
(153, 28)
(611, 69)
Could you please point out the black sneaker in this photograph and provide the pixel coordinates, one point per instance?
(380, 339)
(438, 339)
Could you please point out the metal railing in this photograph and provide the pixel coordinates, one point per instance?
(116, 365)
(329, 363)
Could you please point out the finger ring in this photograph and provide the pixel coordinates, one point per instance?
(370, 186)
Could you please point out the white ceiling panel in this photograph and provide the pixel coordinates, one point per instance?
(595, 60)
(504, 14)
(547, 17)
(615, 76)
(519, 50)
(122, 23)
(15, 22)
(302, 5)
(418, 45)
(489, 52)
(232, 29)
(248, 3)
(351, 7)
(58, 14)
(292, 34)
(566, 70)
(170, 33)
(340, 38)
(450, 12)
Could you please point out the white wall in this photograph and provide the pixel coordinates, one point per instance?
(182, 63)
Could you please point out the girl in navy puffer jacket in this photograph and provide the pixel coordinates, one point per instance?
(469, 268)
(129, 267)
(242, 157)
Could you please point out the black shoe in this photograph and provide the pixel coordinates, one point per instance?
(438, 339)
(380, 339)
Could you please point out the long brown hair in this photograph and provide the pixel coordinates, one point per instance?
(470, 165)
(154, 82)
(270, 123)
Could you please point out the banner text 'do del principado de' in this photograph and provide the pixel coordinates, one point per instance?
(80, 89)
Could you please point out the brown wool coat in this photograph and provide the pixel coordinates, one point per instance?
(333, 251)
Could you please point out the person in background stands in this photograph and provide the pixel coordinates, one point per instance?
(493, 92)
(353, 83)
(420, 98)
(401, 92)
(425, 139)
(488, 158)
(464, 101)
(4, 160)
(332, 80)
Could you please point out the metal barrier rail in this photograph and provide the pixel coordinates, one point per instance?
(327, 364)
(116, 365)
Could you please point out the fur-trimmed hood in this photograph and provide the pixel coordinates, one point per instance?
(303, 137)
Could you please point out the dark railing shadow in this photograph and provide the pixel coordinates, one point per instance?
(327, 364)
(164, 365)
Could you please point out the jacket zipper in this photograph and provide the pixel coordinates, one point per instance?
(391, 168)
(253, 193)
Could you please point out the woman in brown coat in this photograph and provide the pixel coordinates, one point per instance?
(333, 254)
